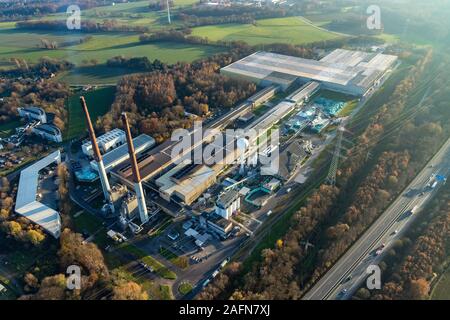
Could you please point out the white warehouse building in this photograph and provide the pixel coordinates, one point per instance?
(350, 72)
(27, 204)
(106, 142)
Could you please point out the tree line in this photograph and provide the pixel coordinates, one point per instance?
(90, 26)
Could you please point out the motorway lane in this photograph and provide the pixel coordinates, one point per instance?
(355, 261)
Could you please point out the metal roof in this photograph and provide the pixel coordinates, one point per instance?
(340, 67)
(26, 203)
(120, 154)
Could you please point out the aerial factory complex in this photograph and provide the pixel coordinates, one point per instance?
(206, 210)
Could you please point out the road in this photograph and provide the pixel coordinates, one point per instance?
(349, 272)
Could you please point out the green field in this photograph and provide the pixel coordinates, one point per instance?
(159, 268)
(103, 46)
(7, 127)
(99, 102)
(291, 30)
(185, 288)
(131, 13)
(442, 288)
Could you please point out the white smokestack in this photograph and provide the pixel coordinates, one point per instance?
(136, 174)
(97, 156)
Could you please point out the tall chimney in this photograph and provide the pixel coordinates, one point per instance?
(136, 174)
(97, 156)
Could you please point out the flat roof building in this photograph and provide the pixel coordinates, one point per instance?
(110, 140)
(351, 72)
(26, 202)
(119, 155)
(186, 182)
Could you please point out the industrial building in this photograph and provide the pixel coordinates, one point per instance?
(186, 182)
(263, 95)
(48, 132)
(106, 142)
(26, 202)
(228, 203)
(120, 154)
(219, 224)
(303, 94)
(350, 72)
(33, 113)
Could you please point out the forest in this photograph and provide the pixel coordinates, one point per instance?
(19, 92)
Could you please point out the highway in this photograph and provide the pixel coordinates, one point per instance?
(349, 272)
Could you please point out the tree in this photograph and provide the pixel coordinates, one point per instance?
(363, 293)
(419, 289)
(35, 237)
(129, 290)
(31, 282)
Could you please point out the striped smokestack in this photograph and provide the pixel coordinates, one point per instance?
(136, 174)
(97, 156)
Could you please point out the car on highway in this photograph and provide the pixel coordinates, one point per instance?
(343, 292)
(380, 249)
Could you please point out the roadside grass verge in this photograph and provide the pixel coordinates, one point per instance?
(181, 262)
(159, 268)
(185, 288)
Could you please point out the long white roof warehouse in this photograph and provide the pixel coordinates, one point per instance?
(26, 203)
(352, 72)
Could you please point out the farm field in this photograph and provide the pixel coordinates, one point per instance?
(131, 13)
(101, 47)
(99, 102)
(291, 30)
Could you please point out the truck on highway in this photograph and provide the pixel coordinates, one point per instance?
(414, 210)
(224, 262)
(205, 283)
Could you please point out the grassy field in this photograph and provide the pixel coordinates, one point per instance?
(291, 30)
(159, 268)
(7, 127)
(131, 13)
(442, 289)
(103, 46)
(99, 102)
(185, 288)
